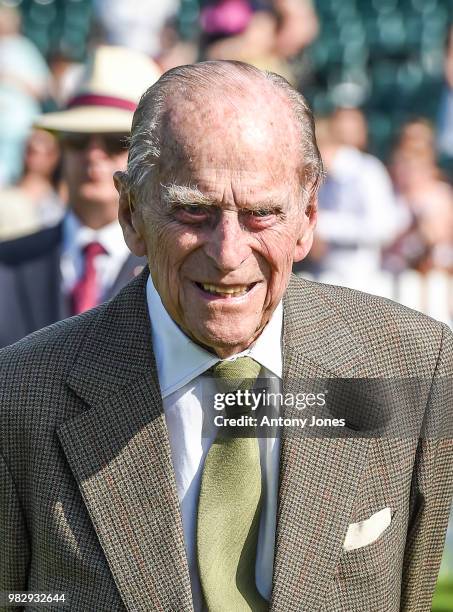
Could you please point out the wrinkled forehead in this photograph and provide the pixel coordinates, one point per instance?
(248, 131)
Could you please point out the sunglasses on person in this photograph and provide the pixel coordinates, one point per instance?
(113, 144)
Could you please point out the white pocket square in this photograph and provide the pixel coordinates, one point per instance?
(366, 532)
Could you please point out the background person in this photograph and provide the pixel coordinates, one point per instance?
(82, 261)
(424, 240)
(35, 201)
(24, 84)
(357, 210)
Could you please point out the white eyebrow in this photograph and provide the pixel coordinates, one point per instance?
(182, 195)
(187, 195)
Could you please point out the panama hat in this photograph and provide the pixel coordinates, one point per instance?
(107, 94)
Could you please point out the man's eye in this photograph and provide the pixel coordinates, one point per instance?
(262, 212)
(194, 210)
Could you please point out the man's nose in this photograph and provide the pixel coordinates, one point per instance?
(227, 245)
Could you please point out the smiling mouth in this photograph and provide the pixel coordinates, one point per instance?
(233, 291)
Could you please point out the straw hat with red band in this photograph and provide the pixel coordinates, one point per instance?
(107, 95)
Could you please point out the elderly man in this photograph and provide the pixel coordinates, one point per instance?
(68, 268)
(115, 494)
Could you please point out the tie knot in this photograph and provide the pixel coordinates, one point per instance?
(92, 249)
(238, 374)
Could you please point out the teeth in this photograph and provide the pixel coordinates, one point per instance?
(236, 290)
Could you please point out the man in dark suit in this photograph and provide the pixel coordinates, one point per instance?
(67, 269)
(117, 493)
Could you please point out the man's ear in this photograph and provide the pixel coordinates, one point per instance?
(129, 217)
(305, 240)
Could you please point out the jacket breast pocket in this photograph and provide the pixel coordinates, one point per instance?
(377, 556)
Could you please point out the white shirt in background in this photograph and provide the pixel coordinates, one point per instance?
(357, 214)
(136, 24)
(76, 236)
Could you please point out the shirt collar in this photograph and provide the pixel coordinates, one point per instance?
(180, 360)
(76, 236)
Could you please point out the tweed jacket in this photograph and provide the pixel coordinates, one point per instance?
(88, 502)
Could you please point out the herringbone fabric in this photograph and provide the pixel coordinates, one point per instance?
(88, 502)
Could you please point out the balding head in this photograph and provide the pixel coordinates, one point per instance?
(221, 103)
(220, 196)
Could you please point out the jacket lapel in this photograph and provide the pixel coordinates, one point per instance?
(38, 283)
(319, 476)
(119, 453)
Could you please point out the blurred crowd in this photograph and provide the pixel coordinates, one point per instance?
(373, 216)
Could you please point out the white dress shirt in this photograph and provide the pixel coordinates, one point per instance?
(180, 363)
(108, 265)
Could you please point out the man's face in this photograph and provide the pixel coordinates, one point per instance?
(224, 222)
(89, 161)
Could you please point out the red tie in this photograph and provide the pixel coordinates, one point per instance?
(85, 294)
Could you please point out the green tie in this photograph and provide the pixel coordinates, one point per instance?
(229, 508)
